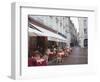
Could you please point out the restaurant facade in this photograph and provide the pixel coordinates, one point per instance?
(48, 32)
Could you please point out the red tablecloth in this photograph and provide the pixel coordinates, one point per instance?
(33, 62)
(61, 54)
(41, 62)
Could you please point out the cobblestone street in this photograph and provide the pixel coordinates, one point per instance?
(78, 56)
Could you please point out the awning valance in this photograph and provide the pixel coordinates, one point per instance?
(33, 32)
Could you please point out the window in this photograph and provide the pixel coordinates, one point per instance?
(85, 30)
(57, 20)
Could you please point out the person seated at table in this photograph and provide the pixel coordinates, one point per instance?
(48, 51)
(37, 55)
(33, 57)
(62, 52)
(30, 61)
(71, 49)
(68, 51)
(59, 57)
(54, 51)
(50, 54)
(45, 57)
(40, 59)
(65, 52)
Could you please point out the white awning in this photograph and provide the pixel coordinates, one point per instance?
(51, 36)
(33, 32)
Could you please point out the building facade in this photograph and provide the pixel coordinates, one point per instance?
(62, 24)
(83, 32)
(73, 33)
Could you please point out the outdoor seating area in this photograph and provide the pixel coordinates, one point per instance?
(53, 43)
(57, 56)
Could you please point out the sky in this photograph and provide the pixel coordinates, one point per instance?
(75, 21)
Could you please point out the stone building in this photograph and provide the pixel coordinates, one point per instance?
(62, 25)
(73, 33)
(83, 32)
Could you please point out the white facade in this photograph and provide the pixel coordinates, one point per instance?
(73, 33)
(83, 35)
(61, 24)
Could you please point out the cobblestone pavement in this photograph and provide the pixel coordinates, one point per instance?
(78, 56)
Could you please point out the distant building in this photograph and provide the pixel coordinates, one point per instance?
(83, 29)
(73, 34)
